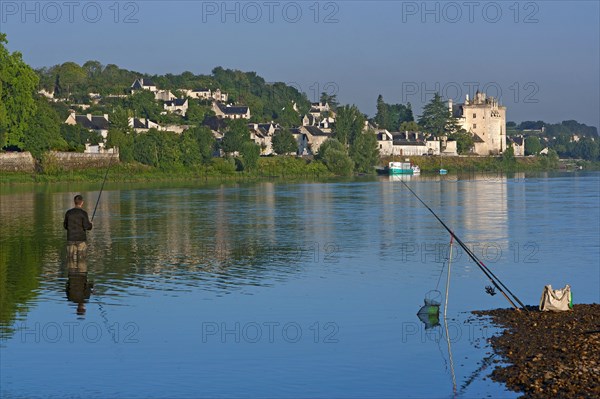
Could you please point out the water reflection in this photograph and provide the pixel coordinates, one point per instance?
(78, 288)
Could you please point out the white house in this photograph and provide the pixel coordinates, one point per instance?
(230, 111)
(206, 94)
(201, 94)
(406, 143)
(518, 145)
(96, 123)
(164, 95)
(177, 106)
(310, 139)
(143, 84)
(142, 125)
(262, 134)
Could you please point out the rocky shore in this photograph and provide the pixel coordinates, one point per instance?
(551, 354)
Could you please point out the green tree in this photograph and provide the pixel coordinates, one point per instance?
(349, 124)
(143, 105)
(437, 119)
(334, 156)
(587, 149)
(330, 99)
(18, 83)
(197, 146)
(250, 153)
(508, 156)
(464, 141)
(159, 149)
(72, 78)
(43, 132)
(391, 116)
(284, 142)
(411, 126)
(533, 146)
(196, 112)
(120, 135)
(93, 69)
(287, 117)
(365, 152)
(77, 136)
(382, 118)
(237, 134)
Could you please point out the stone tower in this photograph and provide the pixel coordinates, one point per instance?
(485, 119)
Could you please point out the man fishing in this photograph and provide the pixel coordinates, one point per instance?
(76, 223)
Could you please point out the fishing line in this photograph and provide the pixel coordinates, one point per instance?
(102, 187)
(491, 276)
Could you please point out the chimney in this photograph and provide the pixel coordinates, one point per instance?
(450, 106)
(467, 98)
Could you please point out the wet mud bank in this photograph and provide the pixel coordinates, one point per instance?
(550, 354)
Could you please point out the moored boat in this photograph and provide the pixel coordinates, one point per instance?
(403, 168)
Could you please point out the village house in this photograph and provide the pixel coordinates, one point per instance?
(485, 119)
(217, 95)
(142, 125)
(200, 94)
(164, 95)
(143, 84)
(324, 123)
(230, 111)
(448, 147)
(176, 106)
(206, 94)
(47, 94)
(262, 134)
(406, 143)
(518, 145)
(95, 97)
(310, 139)
(95, 123)
(302, 140)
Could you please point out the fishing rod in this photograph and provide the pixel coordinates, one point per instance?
(491, 276)
(102, 187)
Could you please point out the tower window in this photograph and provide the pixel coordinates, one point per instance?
(474, 116)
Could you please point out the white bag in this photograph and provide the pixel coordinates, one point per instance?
(557, 300)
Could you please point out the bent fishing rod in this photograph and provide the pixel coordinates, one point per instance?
(102, 187)
(489, 274)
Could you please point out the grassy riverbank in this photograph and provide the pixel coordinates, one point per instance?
(288, 168)
(220, 169)
(471, 164)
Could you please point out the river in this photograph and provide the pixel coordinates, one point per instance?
(281, 289)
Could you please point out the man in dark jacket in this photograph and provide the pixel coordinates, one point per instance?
(77, 222)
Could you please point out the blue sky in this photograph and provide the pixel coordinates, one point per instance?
(541, 57)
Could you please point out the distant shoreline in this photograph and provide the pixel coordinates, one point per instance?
(287, 168)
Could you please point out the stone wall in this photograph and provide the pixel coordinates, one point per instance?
(77, 160)
(17, 162)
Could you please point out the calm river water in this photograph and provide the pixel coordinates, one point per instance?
(272, 289)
